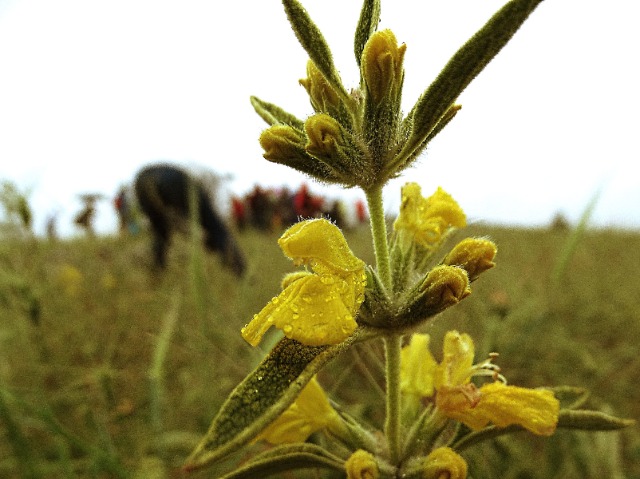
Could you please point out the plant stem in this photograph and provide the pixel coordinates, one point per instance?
(392, 343)
(393, 346)
(379, 234)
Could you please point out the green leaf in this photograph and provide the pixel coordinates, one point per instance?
(312, 40)
(368, 23)
(567, 419)
(274, 115)
(462, 68)
(285, 458)
(591, 421)
(262, 396)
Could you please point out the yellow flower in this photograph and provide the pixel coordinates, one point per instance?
(534, 409)
(320, 308)
(427, 220)
(457, 398)
(444, 463)
(310, 412)
(362, 465)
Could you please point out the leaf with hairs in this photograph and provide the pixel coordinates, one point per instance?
(367, 24)
(461, 69)
(274, 115)
(286, 458)
(262, 396)
(312, 40)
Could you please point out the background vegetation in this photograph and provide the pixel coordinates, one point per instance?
(108, 370)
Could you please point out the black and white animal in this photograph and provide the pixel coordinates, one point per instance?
(165, 193)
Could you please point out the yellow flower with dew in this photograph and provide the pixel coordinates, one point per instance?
(315, 308)
(309, 413)
(427, 220)
(457, 398)
(362, 465)
(444, 463)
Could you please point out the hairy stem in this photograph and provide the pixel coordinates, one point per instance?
(393, 346)
(379, 234)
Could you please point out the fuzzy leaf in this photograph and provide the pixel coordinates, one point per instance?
(591, 421)
(274, 115)
(311, 39)
(462, 68)
(567, 419)
(262, 396)
(286, 458)
(368, 23)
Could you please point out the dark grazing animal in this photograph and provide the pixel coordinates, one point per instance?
(165, 193)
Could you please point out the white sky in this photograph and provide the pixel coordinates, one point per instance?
(92, 90)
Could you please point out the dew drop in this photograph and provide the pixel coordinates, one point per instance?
(287, 328)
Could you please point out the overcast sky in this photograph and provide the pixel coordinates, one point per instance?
(92, 90)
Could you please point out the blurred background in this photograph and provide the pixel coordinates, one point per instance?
(92, 91)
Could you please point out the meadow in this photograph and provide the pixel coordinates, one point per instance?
(110, 370)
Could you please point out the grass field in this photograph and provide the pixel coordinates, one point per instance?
(107, 370)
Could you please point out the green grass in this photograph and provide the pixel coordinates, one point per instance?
(107, 370)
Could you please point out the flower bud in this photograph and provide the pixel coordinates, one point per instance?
(334, 146)
(323, 97)
(325, 136)
(362, 465)
(285, 144)
(474, 255)
(445, 286)
(281, 143)
(444, 462)
(382, 65)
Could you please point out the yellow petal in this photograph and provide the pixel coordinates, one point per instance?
(309, 413)
(320, 243)
(417, 367)
(534, 409)
(455, 368)
(310, 310)
(428, 219)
